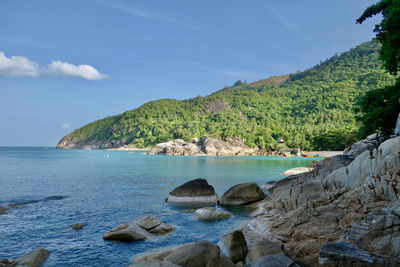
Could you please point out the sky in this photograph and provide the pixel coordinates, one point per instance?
(64, 64)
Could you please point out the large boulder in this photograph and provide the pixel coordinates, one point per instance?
(276, 260)
(154, 264)
(234, 246)
(220, 261)
(264, 248)
(140, 229)
(176, 147)
(196, 254)
(34, 258)
(195, 192)
(242, 194)
(211, 213)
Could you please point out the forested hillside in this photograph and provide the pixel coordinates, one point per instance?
(311, 109)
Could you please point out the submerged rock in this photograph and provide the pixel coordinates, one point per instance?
(296, 170)
(3, 210)
(234, 246)
(210, 213)
(77, 226)
(197, 192)
(242, 194)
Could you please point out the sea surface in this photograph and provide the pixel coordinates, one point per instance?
(65, 187)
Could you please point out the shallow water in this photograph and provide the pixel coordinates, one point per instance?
(80, 186)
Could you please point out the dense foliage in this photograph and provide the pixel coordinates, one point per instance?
(311, 109)
(380, 107)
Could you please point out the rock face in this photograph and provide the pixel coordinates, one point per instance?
(242, 194)
(262, 249)
(234, 246)
(209, 213)
(140, 229)
(34, 258)
(196, 254)
(205, 146)
(348, 198)
(276, 260)
(370, 143)
(196, 192)
(68, 142)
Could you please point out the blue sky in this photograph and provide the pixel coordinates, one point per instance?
(64, 64)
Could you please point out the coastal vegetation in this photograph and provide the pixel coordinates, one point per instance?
(312, 110)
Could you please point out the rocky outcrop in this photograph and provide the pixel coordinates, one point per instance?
(370, 143)
(220, 261)
(262, 249)
(242, 194)
(140, 229)
(210, 213)
(276, 260)
(347, 198)
(34, 258)
(205, 146)
(195, 192)
(234, 246)
(69, 142)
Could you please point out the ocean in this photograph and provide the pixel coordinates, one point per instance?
(64, 187)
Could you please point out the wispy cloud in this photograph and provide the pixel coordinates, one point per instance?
(65, 126)
(282, 19)
(236, 73)
(18, 66)
(129, 9)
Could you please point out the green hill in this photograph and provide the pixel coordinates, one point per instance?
(311, 109)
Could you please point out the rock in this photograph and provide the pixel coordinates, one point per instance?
(34, 258)
(197, 192)
(264, 248)
(296, 170)
(127, 232)
(345, 254)
(196, 254)
(209, 213)
(78, 226)
(155, 255)
(276, 260)
(162, 229)
(3, 210)
(148, 222)
(220, 261)
(154, 264)
(370, 143)
(242, 194)
(233, 245)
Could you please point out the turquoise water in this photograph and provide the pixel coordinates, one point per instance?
(102, 192)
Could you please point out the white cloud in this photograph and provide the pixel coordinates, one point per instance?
(282, 19)
(82, 71)
(16, 66)
(65, 126)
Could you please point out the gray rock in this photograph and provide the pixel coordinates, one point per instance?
(162, 229)
(196, 191)
(77, 226)
(154, 264)
(155, 255)
(296, 170)
(196, 254)
(234, 246)
(220, 261)
(276, 260)
(210, 213)
(264, 248)
(148, 222)
(127, 232)
(34, 258)
(242, 194)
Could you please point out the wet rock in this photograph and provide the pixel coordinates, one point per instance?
(276, 260)
(34, 258)
(296, 170)
(77, 226)
(220, 261)
(127, 232)
(196, 254)
(234, 246)
(16, 205)
(155, 255)
(3, 210)
(148, 222)
(197, 192)
(210, 213)
(162, 229)
(263, 248)
(54, 198)
(242, 194)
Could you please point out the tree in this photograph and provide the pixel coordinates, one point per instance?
(380, 107)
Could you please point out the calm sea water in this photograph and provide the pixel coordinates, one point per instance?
(103, 192)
